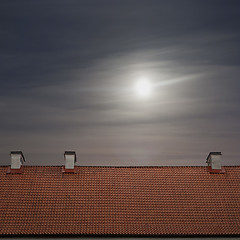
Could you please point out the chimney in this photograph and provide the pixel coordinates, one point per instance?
(214, 162)
(70, 159)
(17, 160)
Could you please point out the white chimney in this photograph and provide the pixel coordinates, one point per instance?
(17, 159)
(214, 162)
(70, 159)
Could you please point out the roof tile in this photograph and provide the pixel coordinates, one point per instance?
(120, 200)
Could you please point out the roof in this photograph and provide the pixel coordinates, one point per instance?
(120, 201)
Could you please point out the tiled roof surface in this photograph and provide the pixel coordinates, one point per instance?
(120, 200)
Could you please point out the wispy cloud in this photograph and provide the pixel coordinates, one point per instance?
(68, 70)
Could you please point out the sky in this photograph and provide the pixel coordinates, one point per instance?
(68, 71)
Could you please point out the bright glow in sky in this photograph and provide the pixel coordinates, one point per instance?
(143, 88)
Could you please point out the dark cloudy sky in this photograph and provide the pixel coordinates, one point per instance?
(68, 69)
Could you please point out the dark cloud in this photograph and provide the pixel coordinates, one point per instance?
(68, 68)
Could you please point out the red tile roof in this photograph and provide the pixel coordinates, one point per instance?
(120, 200)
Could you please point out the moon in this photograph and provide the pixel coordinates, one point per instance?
(143, 88)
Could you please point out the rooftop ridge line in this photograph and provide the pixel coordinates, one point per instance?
(145, 166)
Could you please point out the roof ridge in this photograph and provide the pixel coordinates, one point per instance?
(97, 166)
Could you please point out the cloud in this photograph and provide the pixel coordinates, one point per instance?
(68, 68)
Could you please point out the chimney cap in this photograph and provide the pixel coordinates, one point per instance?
(19, 153)
(71, 153)
(213, 153)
